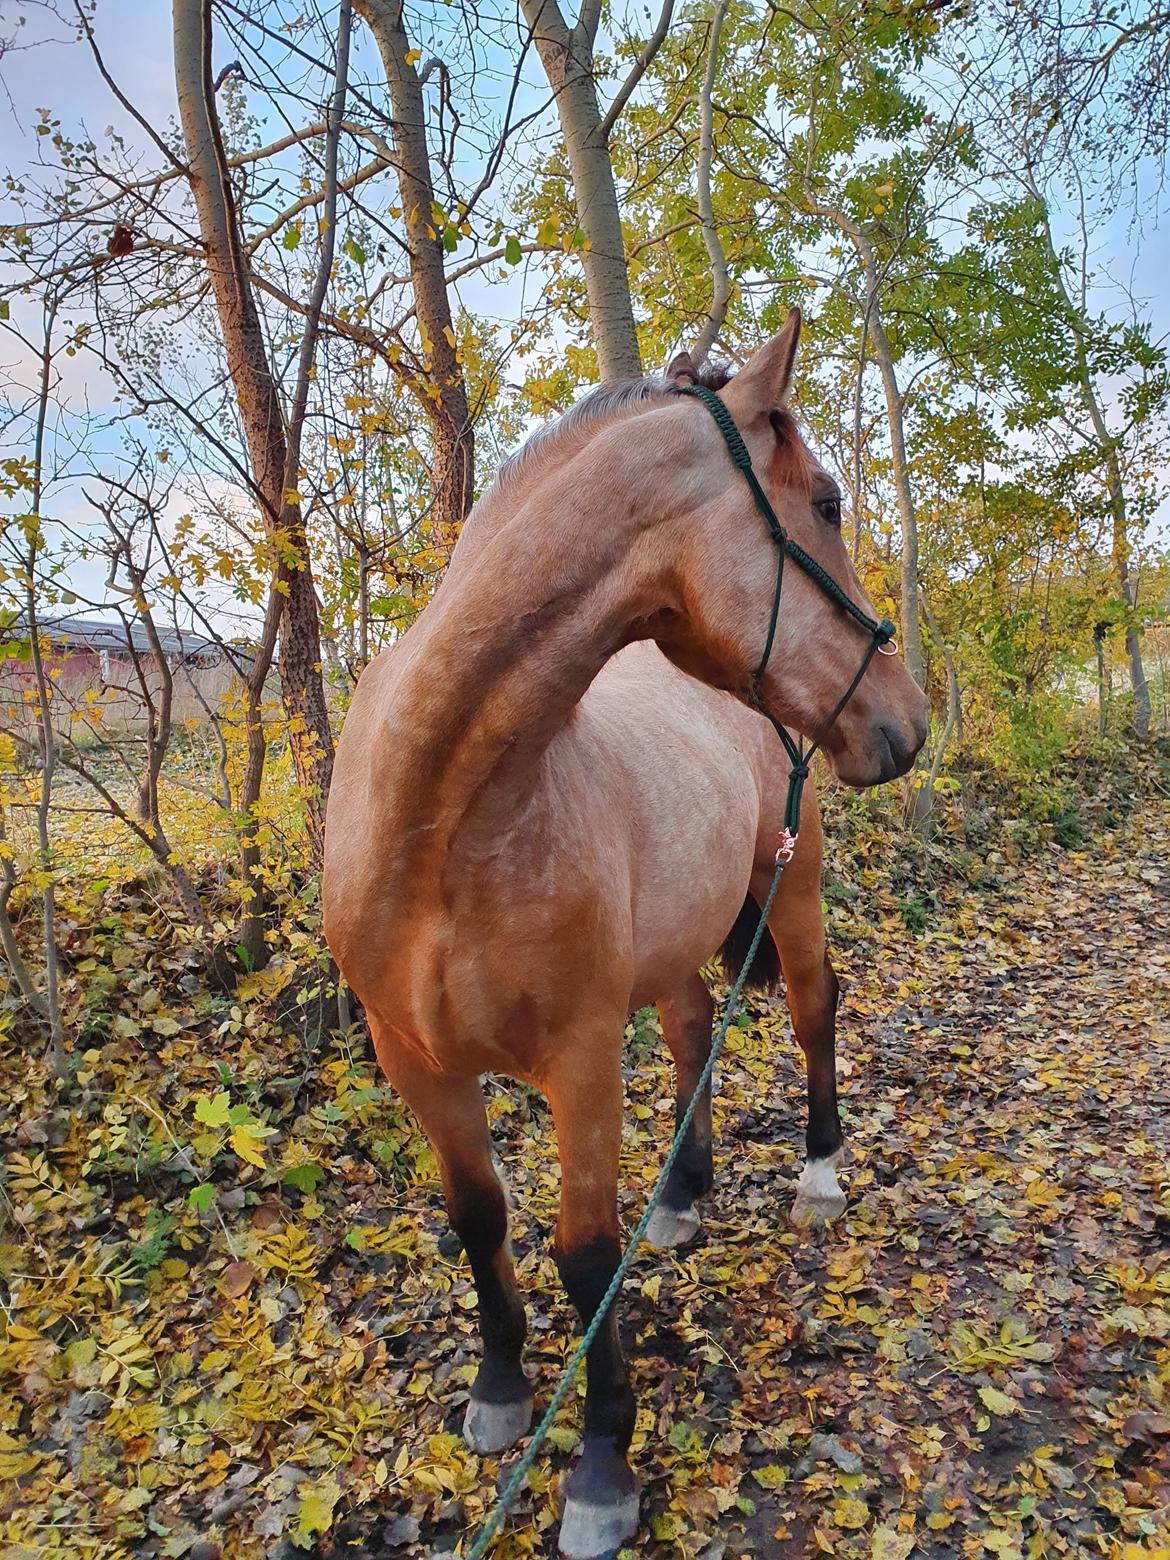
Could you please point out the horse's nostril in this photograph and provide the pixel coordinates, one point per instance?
(902, 748)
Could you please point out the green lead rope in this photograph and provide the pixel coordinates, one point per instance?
(510, 1491)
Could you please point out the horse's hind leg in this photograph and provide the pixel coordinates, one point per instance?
(601, 1509)
(451, 1112)
(687, 1016)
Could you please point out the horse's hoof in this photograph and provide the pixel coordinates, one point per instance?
(819, 1198)
(673, 1226)
(593, 1532)
(494, 1427)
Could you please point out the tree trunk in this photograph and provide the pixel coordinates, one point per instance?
(1114, 487)
(874, 332)
(567, 57)
(1102, 690)
(310, 738)
(452, 436)
(720, 279)
(922, 802)
(45, 731)
(911, 632)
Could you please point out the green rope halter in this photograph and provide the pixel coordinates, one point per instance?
(881, 632)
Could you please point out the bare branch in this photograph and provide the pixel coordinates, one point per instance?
(721, 289)
(639, 68)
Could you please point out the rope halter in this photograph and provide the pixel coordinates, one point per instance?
(881, 632)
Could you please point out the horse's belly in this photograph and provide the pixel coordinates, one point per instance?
(691, 888)
(682, 761)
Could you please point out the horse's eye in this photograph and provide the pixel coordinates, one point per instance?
(829, 509)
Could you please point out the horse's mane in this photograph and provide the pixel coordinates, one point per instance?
(602, 404)
(560, 440)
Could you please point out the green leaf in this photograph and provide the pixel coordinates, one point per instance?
(354, 250)
(4, 308)
(512, 251)
(201, 1198)
(292, 236)
(214, 1112)
(771, 1477)
(563, 1437)
(305, 1178)
(316, 1513)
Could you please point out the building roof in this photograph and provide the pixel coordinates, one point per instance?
(89, 633)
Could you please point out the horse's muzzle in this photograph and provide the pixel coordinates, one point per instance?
(901, 749)
(888, 750)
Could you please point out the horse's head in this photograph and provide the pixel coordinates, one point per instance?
(725, 576)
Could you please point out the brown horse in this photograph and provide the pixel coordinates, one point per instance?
(538, 825)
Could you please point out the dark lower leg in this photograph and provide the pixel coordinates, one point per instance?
(479, 1216)
(602, 1472)
(812, 998)
(813, 1003)
(601, 1510)
(451, 1112)
(686, 1025)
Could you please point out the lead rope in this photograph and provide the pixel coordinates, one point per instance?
(882, 636)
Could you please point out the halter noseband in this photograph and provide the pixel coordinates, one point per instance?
(881, 633)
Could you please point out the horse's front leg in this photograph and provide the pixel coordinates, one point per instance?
(687, 1017)
(585, 1092)
(797, 925)
(451, 1113)
(812, 1002)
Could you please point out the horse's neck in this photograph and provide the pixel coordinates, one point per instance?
(504, 655)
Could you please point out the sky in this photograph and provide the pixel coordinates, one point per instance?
(135, 38)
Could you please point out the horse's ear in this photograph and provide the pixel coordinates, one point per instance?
(681, 369)
(765, 378)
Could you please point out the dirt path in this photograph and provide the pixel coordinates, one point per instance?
(976, 1359)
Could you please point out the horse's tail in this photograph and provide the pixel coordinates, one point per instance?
(764, 974)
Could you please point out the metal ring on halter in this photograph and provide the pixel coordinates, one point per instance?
(889, 648)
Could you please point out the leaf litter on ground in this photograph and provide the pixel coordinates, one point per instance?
(230, 1328)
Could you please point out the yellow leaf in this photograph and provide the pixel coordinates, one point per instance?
(246, 1140)
(317, 1504)
(1043, 1193)
(998, 1402)
(889, 1544)
(850, 1512)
